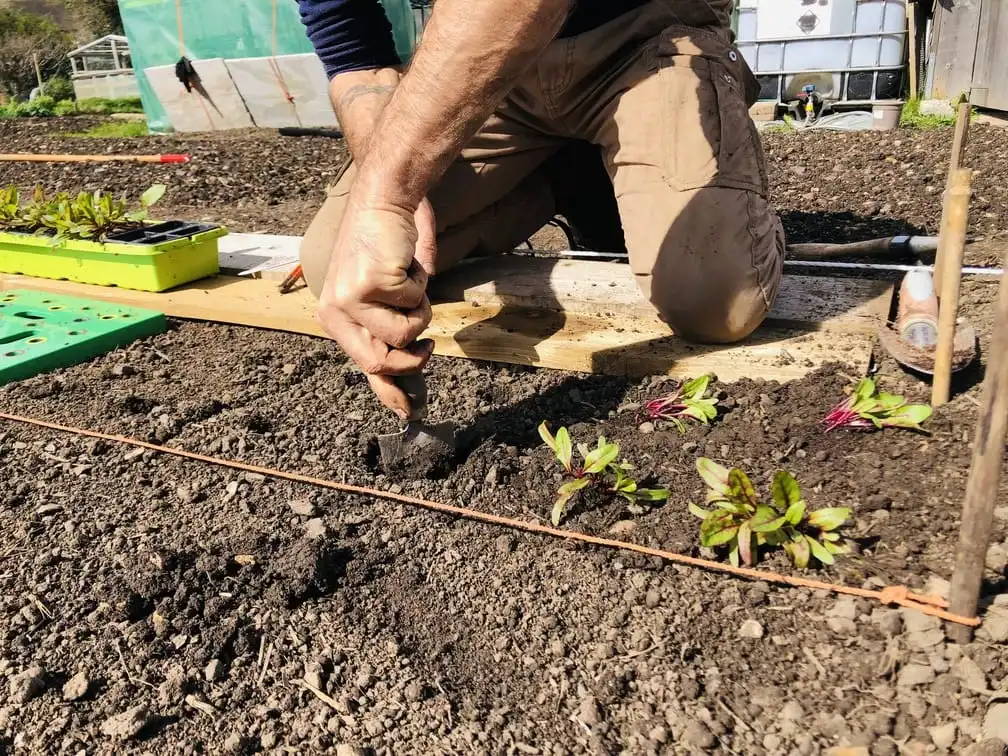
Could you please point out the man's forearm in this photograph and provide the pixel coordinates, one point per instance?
(472, 53)
(359, 97)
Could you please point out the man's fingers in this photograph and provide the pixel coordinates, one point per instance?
(412, 359)
(395, 328)
(403, 294)
(390, 395)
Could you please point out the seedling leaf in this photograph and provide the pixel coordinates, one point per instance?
(828, 519)
(741, 487)
(819, 551)
(152, 195)
(745, 542)
(714, 475)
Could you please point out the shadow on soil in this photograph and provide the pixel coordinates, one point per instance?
(842, 227)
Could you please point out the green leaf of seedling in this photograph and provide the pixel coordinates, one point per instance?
(700, 512)
(830, 536)
(819, 551)
(834, 548)
(741, 487)
(564, 451)
(152, 195)
(696, 388)
(795, 513)
(828, 519)
(717, 530)
(733, 556)
(785, 490)
(556, 516)
(909, 416)
(745, 544)
(799, 552)
(572, 486)
(865, 389)
(652, 494)
(547, 437)
(735, 507)
(714, 475)
(600, 458)
(137, 216)
(766, 520)
(888, 402)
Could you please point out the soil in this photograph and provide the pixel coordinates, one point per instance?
(154, 604)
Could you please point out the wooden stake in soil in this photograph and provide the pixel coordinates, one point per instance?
(984, 475)
(959, 140)
(911, 14)
(957, 199)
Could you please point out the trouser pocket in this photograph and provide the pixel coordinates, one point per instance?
(707, 135)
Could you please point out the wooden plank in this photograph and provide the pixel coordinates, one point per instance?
(504, 333)
(594, 345)
(609, 290)
(592, 337)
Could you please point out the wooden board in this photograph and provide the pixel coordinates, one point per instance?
(608, 290)
(604, 340)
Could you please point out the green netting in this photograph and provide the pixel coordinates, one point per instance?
(225, 29)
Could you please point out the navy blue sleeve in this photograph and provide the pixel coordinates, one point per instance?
(349, 35)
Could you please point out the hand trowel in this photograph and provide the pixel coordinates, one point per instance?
(417, 442)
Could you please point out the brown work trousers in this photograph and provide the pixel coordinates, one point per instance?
(663, 95)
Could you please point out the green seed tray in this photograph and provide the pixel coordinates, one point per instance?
(41, 332)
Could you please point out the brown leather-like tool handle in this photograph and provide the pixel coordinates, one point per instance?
(415, 387)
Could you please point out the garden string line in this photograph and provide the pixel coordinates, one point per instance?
(900, 595)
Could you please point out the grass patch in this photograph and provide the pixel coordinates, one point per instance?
(912, 118)
(113, 130)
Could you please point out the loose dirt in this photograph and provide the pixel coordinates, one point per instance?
(153, 604)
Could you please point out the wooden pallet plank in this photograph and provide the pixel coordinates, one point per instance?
(632, 345)
(609, 290)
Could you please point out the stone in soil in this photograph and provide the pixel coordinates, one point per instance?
(127, 724)
(76, 687)
(995, 723)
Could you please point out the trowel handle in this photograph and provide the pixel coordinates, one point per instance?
(415, 387)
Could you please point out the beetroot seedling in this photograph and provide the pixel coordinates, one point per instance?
(867, 409)
(599, 468)
(688, 401)
(742, 524)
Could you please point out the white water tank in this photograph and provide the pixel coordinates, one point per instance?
(852, 50)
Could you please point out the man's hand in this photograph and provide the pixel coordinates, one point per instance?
(374, 300)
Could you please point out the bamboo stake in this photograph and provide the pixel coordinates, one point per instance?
(961, 135)
(959, 140)
(65, 158)
(984, 475)
(957, 199)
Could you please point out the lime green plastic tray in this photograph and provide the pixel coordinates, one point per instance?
(147, 267)
(41, 332)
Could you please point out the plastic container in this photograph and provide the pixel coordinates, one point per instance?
(851, 50)
(41, 332)
(154, 258)
(886, 115)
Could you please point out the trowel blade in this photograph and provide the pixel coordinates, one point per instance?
(397, 448)
(923, 361)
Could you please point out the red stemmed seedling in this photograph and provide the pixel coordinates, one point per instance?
(688, 401)
(742, 523)
(598, 467)
(867, 409)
